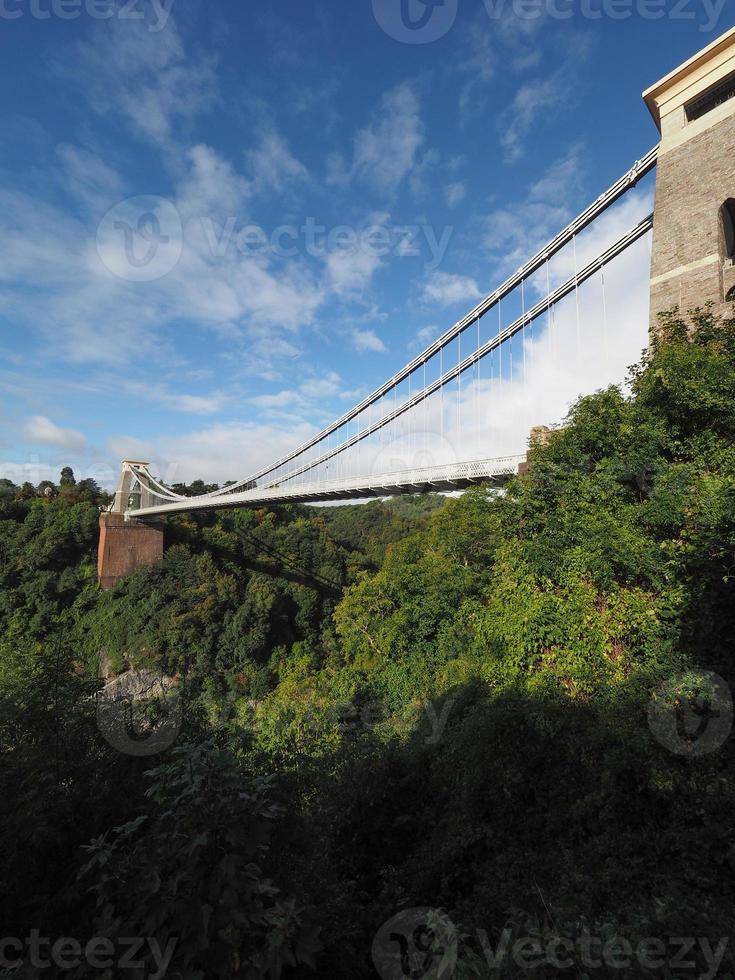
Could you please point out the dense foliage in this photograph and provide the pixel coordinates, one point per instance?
(421, 703)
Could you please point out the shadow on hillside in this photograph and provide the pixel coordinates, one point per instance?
(533, 813)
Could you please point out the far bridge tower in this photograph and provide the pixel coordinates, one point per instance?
(125, 544)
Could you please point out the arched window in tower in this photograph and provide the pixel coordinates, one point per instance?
(727, 219)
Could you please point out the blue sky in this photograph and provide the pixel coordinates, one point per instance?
(332, 198)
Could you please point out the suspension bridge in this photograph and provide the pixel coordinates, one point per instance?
(568, 322)
(441, 404)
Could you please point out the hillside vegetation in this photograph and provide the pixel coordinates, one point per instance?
(425, 703)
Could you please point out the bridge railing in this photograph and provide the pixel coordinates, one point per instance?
(444, 477)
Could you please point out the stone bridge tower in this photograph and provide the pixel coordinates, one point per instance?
(693, 259)
(126, 544)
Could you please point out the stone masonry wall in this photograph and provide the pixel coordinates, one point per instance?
(124, 547)
(692, 181)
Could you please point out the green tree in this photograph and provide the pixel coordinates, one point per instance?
(189, 872)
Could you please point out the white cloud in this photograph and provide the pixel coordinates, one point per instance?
(147, 77)
(324, 386)
(455, 193)
(586, 344)
(304, 399)
(34, 470)
(513, 43)
(478, 61)
(87, 177)
(367, 340)
(230, 451)
(241, 289)
(555, 362)
(40, 429)
(281, 399)
(537, 100)
(273, 165)
(514, 232)
(385, 150)
(176, 401)
(338, 173)
(609, 228)
(52, 278)
(210, 187)
(424, 174)
(447, 288)
(531, 101)
(350, 271)
(480, 56)
(426, 335)
(557, 184)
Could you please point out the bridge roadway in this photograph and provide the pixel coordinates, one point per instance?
(449, 476)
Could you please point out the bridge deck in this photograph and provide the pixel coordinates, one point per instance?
(451, 476)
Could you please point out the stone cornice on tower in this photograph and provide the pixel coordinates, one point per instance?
(667, 99)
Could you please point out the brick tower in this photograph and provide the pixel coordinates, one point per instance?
(126, 544)
(693, 259)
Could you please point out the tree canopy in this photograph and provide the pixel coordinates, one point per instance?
(430, 703)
